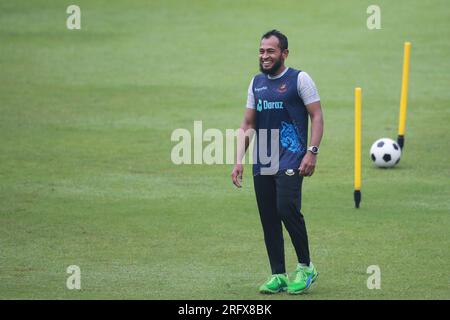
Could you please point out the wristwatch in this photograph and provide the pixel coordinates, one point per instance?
(313, 149)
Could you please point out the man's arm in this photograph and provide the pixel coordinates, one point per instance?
(242, 145)
(309, 160)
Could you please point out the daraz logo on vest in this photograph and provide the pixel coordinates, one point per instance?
(268, 105)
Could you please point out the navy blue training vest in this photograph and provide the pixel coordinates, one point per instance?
(279, 106)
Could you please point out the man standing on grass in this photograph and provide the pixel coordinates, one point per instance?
(280, 99)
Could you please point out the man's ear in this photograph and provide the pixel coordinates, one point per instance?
(285, 53)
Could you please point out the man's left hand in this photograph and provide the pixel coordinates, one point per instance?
(308, 164)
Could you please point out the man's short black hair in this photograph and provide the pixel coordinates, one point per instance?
(282, 39)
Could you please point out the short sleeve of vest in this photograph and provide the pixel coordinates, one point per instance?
(250, 96)
(307, 88)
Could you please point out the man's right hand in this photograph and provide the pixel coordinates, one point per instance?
(236, 175)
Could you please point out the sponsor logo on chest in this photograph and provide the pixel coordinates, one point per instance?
(268, 105)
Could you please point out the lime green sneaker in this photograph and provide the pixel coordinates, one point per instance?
(304, 278)
(276, 283)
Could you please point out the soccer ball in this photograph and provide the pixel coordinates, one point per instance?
(385, 153)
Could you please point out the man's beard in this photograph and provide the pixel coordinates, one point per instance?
(277, 65)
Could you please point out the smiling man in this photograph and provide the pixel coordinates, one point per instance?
(280, 100)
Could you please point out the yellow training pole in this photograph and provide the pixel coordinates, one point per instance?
(357, 193)
(404, 95)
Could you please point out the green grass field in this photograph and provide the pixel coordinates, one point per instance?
(87, 180)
